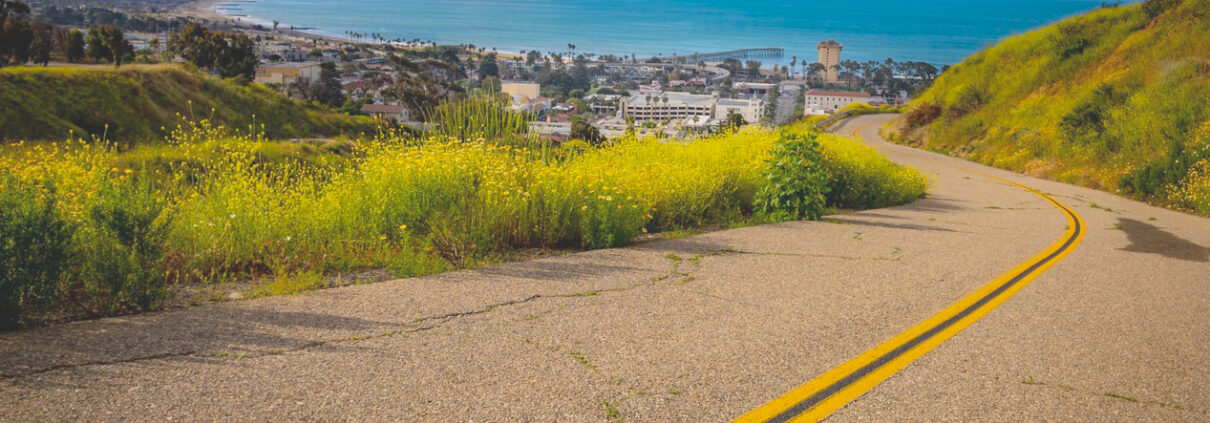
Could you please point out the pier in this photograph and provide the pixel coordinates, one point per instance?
(742, 54)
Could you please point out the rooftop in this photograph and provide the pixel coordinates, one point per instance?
(289, 65)
(837, 93)
(390, 109)
(674, 98)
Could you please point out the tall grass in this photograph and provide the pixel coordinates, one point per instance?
(214, 205)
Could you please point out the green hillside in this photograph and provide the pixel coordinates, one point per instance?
(1117, 99)
(143, 103)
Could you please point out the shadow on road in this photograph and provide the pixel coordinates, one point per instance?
(851, 220)
(181, 334)
(1146, 238)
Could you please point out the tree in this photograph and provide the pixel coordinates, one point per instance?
(237, 57)
(329, 90)
(96, 49)
(73, 46)
(735, 120)
(488, 66)
(229, 55)
(582, 130)
(15, 34)
(753, 68)
(816, 71)
(326, 90)
(726, 88)
(115, 42)
(42, 44)
(422, 85)
(17, 38)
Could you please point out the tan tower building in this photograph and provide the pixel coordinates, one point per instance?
(829, 57)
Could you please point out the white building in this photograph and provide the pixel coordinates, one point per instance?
(830, 101)
(752, 109)
(658, 106)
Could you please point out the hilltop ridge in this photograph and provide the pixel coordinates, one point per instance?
(141, 103)
(1114, 99)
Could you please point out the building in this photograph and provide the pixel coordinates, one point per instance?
(521, 90)
(829, 57)
(330, 55)
(603, 104)
(391, 112)
(658, 106)
(525, 96)
(761, 89)
(752, 109)
(286, 73)
(830, 101)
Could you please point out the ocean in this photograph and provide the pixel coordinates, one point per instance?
(937, 31)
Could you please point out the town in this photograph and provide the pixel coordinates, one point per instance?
(568, 94)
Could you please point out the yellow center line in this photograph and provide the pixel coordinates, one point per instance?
(830, 391)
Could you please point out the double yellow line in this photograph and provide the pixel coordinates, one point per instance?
(830, 391)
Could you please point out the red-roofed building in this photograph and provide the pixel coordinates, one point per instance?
(830, 101)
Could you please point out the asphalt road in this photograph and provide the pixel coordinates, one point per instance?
(785, 102)
(704, 328)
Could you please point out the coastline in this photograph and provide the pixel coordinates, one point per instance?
(205, 10)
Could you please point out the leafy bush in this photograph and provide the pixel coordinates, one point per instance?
(34, 239)
(796, 180)
(122, 248)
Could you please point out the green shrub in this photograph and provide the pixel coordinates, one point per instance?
(122, 248)
(796, 180)
(34, 240)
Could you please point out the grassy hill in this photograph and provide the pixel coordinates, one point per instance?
(1117, 99)
(142, 103)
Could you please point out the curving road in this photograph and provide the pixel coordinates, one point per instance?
(705, 328)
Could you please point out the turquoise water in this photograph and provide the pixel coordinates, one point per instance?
(937, 31)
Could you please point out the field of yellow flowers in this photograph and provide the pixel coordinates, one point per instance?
(107, 231)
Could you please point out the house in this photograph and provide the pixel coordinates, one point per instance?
(286, 73)
(391, 112)
(330, 55)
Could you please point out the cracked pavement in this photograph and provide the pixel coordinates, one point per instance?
(702, 328)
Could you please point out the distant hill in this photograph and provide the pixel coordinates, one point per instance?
(141, 103)
(1117, 99)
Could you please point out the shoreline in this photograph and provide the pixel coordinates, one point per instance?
(206, 10)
